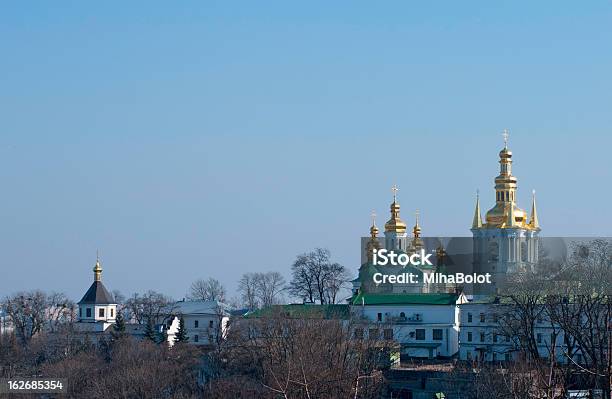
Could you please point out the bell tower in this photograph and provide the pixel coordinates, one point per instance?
(396, 237)
(505, 241)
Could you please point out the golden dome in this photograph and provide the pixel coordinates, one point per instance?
(395, 224)
(498, 215)
(505, 213)
(97, 270)
(373, 231)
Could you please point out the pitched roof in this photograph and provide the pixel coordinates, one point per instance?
(405, 299)
(97, 293)
(200, 307)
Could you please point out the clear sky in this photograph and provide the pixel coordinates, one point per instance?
(208, 139)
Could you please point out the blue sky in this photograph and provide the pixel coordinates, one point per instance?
(188, 140)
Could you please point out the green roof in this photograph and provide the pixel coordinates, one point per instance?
(300, 311)
(405, 299)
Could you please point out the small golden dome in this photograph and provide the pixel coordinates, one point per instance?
(373, 231)
(505, 153)
(97, 269)
(395, 224)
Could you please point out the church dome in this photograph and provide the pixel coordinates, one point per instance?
(395, 224)
(499, 214)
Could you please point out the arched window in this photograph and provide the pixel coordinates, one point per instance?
(402, 314)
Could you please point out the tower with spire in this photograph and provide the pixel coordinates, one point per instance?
(396, 237)
(97, 308)
(506, 241)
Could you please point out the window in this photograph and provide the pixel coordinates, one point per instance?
(379, 317)
(196, 323)
(402, 315)
(495, 318)
(373, 333)
(524, 252)
(80, 312)
(482, 337)
(539, 320)
(388, 333)
(101, 312)
(507, 357)
(493, 251)
(112, 312)
(494, 337)
(211, 324)
(437, 334)
(88, 312)
(469, 317)
(507, 338)
(539, 338)
(494, 356)
(196, 338)
(359, 333)
(420, 334)
(470, 336)
(469, 355)
(482, 317)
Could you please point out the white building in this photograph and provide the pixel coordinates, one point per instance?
(483, 338)
(425, 325)
(205, 321)
(97, 308)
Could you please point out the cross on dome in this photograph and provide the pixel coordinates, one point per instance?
(395, 190)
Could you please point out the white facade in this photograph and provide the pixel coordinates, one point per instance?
(422, 330)
(482, 339)
(205, 321)
(97, 313)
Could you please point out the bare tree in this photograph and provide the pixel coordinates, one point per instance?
(269, 287)
(128, 368)
(150, 307)
(247, 287)
(27, 311)
(314, 277)
(274, 356)
(206, 290)
(335, 279)
(302, 283)
(60, 310)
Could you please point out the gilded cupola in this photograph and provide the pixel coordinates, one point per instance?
(373, 242)
(97, 269)
(395, 224)
(505, 213)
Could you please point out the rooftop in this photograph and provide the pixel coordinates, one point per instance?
(405, 299)
(97, 294)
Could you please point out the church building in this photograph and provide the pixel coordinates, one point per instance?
(97, 308)
(506, 242)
